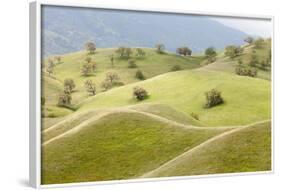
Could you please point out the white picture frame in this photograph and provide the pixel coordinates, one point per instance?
(35, 91)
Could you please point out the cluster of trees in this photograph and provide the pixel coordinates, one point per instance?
(184, 51)
(88, 67)
(233, 51)
(124, 52)
(213, 98)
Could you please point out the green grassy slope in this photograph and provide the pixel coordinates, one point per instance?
(167, 112)
(79, 118)
(245, 150)
(118, 146)
(246, 99)
(151, 65)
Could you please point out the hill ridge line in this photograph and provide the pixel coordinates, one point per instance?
(166, 165)
(127, 110)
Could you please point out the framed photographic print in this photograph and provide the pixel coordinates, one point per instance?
(121, 95)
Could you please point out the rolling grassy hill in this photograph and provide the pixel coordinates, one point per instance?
(118, 146)
(151, 65)
(113, 136)
(247, 149)
(246, 99)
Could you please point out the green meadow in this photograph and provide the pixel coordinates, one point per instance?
(112, 135)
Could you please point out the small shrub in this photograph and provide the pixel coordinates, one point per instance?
(139, 75)
(213, 98)
(194, 115)
(140, 93)
(132, 64)
(176, 68)
(246, 71)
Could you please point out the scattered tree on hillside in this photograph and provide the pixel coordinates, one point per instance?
(249, 40)
(90, 47)
(160, 48)
(112, 77)
(128, 52)
(210, 52)
(50, 67)
(184, 51)
(140, 93)
(213, 98)
(132, 64)
(140, 52)
(232, 51)
(69, 84)
(64, 99)
(90, 87)
(139, 75)
(86, 69)
(176, 68)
